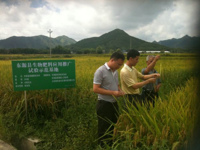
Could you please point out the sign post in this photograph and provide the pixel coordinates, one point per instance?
(25, 101)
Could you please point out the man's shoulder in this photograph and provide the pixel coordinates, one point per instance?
(101, 68)
(99, 71)
(124, 72)
(123, 69)
(135, 69)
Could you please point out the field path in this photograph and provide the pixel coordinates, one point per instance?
(5, 146)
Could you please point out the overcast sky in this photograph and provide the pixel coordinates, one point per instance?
(148, 20)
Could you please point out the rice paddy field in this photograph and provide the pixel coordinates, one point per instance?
(65, 119)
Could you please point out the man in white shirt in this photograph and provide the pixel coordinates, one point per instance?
(106, 85)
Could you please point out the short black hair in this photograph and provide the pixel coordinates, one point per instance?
(117, 55)
(132, 53)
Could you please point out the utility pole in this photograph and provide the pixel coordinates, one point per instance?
(50, 31)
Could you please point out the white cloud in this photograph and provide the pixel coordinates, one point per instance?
(78, 19)
(174, 22)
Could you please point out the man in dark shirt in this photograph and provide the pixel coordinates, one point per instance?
(150, 91)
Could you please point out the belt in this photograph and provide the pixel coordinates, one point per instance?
(104, 101)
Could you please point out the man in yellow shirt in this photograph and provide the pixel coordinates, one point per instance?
(129, 78)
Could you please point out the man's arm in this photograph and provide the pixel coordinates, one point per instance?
(99, 90)
(151, 65)
(158, 87)
(153, 75)
(141, 84)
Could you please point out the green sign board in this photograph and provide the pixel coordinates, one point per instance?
(43, 74)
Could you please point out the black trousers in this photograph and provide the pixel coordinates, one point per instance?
(133, 98)
(107, 113)
(149, 97)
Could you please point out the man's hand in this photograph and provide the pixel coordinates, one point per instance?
(157, 87)
(152, 80)
(157, 57)
(118, 93)
(156, 75)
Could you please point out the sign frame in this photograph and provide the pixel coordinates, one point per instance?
(43, 74)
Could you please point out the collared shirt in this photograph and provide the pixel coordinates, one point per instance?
(129, 77)
(108, 80)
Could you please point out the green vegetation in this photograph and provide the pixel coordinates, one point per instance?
(114, 40)
(106, 43)
(35, 42)
(66, 119)
(192, 44)
(166, 126)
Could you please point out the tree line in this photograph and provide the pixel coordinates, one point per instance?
(69, 50)
(56, 50)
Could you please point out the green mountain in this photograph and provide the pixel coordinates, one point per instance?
(186, 42)
(114, 40)
(35, 42)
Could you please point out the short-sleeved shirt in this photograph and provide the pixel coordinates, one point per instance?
(129, 77)
(108, 80)
(150, 86)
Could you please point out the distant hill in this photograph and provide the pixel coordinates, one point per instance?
(116, 39)
(36, 42)
(186, 42)
(109, 41)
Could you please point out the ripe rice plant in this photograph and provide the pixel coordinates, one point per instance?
(166, 126)
(66, 118)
